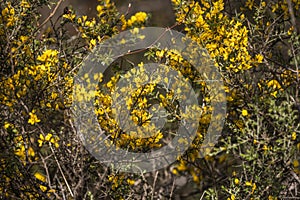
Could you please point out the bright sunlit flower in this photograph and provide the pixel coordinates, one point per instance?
(294, 135)
(244, 112)
(40, 176)
(48, 138)
(33, 118)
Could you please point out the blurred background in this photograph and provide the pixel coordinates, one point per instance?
(161, 11)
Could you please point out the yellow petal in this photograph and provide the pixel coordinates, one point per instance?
(48, 137)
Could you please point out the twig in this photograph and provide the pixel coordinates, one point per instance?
(172, 189)
(153, 187)
(51, 14)
(60, 169)
(167, 29)
(295, 176)
(291, 11)
(42, 24)
(203, 195)
(128, 8)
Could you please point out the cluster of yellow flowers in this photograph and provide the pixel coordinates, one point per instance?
(43, 71)
(8, 15)
(23, 151)
(139, 18)
(136, 104)
(33, 118)
(84, 25)
(48, 138)
(33, 69)
(41, 177)
(225, 39)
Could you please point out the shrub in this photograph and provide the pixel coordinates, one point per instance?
(255, 46)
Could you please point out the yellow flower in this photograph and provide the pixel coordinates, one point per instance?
(100, 9)
(48, 137)
(40, 176)
(160, 54)
(6, 125)
(43, 188)
(25, 4)
(31, 152)
(33, 118)
(41, 140)
(259, 58)
(69, 16)
(274, 84)
(130, 181)
(8, 15)
(294, 135)
(174, 171)
(296, 163)
(250, 184)
(255, 141)
(232, 197)
(92, 43)
(139, 17)
(54, 140)
(274, 94)
(236, 181)
(265, 148)
(23, 38)
(20, 151)
(182, 166)
(244, 112)
(48, 56)
(249, 4)
(195, 178)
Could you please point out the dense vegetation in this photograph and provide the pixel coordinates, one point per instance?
(254, 44)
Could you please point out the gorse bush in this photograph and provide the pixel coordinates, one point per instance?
(253, 44)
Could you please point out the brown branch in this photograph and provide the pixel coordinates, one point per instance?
(292, 14)
(51, 14)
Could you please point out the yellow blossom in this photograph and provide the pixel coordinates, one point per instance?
(31, 152)
(25, 4)
(6, 125)
(43, 188)
(69, 16)
(92, 43)
(33, 118)
(175, 171)
(139, 17)
(8, 15)
(236, 181)
(48, 138)
(48, 55)
(232, 197)
(41, 140)
(294, 135)
(249, 4)
(244, 112)
(296, 163)
(251, 184)
(259, 58)
(20, 151)
(40, 176)
(130, 181)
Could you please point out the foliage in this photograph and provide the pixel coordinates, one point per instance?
(255, 46)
